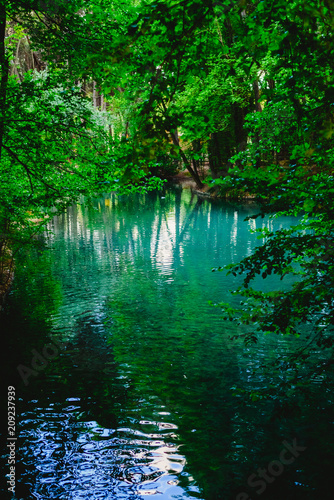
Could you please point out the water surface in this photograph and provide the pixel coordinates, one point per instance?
(141, 394)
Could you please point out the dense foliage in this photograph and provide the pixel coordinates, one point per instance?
(288, 166)
(55, 146)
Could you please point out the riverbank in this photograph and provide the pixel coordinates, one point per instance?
(186, 181)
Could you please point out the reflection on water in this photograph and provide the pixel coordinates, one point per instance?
(142, 399)
(75, 458)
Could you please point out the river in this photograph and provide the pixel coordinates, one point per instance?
(128, 382)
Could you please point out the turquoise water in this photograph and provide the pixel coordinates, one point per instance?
(140, 391)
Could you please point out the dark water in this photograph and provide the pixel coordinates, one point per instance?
(140, 391)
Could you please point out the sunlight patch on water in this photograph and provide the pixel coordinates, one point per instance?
(71, 459)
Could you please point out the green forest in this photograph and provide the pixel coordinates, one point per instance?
(117, 96)
(124, 97)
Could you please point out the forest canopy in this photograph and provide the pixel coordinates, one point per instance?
(113, 95)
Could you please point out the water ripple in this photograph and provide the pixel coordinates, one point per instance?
(75, 459)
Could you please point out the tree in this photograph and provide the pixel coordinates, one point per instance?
(54, 146)
(165, 55)
(297, 118)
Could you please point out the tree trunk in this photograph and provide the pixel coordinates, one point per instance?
(186, 162)
(220, 152)
(256, 90)
(271, 83)
(94, 95)
(258, 109)
(4, 75)
(196, 145)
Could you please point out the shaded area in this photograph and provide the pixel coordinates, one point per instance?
(142, 397)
